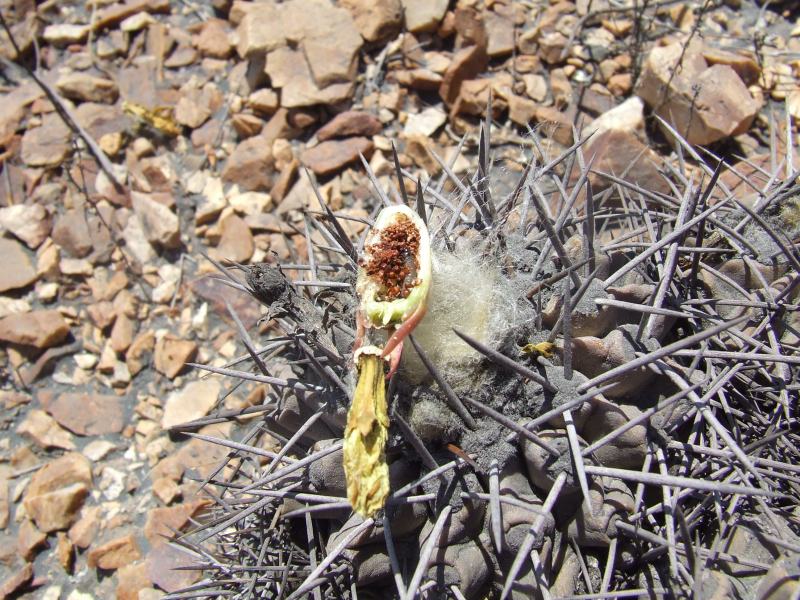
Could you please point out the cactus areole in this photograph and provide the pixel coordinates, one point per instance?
(393, 281)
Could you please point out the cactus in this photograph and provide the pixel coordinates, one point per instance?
(600, 399)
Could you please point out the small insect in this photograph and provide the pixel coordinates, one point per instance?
(160, 118)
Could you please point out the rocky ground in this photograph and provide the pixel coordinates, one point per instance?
(141, 140)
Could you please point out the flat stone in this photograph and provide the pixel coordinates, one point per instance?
(172, 353)
(85, 529)
(193, 109)
(87, 88)
(114, 554)
(192, 402)
(39, 328)
(63, 34)
(47, 145)
(555, 124)
(426, 122)
(628, 117)
(30, 540)
(87, 413)
(161, 522)
(704, 104)
(166, 568)
(213, 39)
(500, 31)
(236, 242)
(19, 271)
(130, 579)
(28, 222)
(423, 15)
(264, 101)
(45, 431)
(159, 223)
(331, 156)
(17, 581)
(71, 233)
(57, 491)
(289, 70)
(620, 152)
(350, 123)
(376, 20)
(251, 165)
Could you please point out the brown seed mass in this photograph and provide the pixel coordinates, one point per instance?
(393, 259)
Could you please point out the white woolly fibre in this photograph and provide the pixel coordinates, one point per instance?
(468, 292)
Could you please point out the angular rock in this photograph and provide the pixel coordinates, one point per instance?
(191, 111)
(71, 233)
(468, 62)
(703, 104)
(47, 145)
(251, 165)
(264, 101)
(171, 354)
(86, 88)
(171, 569)
(39, 328)
(161, 522)
(30, 540)
(424, 123)
(63, 34)
(423, 15)
(17, 581)
(57, 491)
(236, 243)
(85, 529)
(622, 154)
(500, 32)
(87, 413)
(556, 124)
(627, 117)
(213, 39)
(350, 123)
(28, 222)
(45, 431)
(329, 157)
(65, 552)
(19, 271)
(376, 20)
(159, 223)
(192, 402)
(289, 70)
(130, 579)
(114, 554)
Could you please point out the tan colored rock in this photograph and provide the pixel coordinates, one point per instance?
(46, 145)
(555, 124)
(45, 431)
(350, 123)
(425, 123)
(236, 242)
(500, 32)
(161, 522)
(468, 62)
(289, 70)
(172, 353)
(192, 402)
(376, 20)
(65, 551)
(323, 33)
(28, 222)
(423, 15)
(213, 39)
(171, 569)
(160, 224)
(130, 579)
(57, 491)
(85, 529)
(743, 63)
(627, 117)
(39, 328)
(71, 233)
(703, 104)
(622, 154)
(331, 156)
(114, 554)
(122, 334)
(137, 356)
(521, 110)
(17, 581)
(87, 413)
(30, 540)
(19, 271)
(250, 166)
(87, 88)
(263, 101)
(5, 473)
(620, 84)
(166, 490)
(63, 34)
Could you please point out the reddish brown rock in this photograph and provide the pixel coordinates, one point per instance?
(161, 522)
(350, 123)
(250, 165)
(167, 568)
(469, 61)
(71, 233)
(39, 328)
(87, 88)
(45, 431)
(423, 15)
(130, 579)
(30, 540)
(160, 224)
(171, 354)
(555, 124)
(236, 242)
(329, 157)
(56, 492)
(621, 154)
(85, 529)
(17, 581)
(65, 551)
(213, 39)
(18, 271)
(114, 554)
(46, 145)
(122, 334)
(87, 414)
(375, 20)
